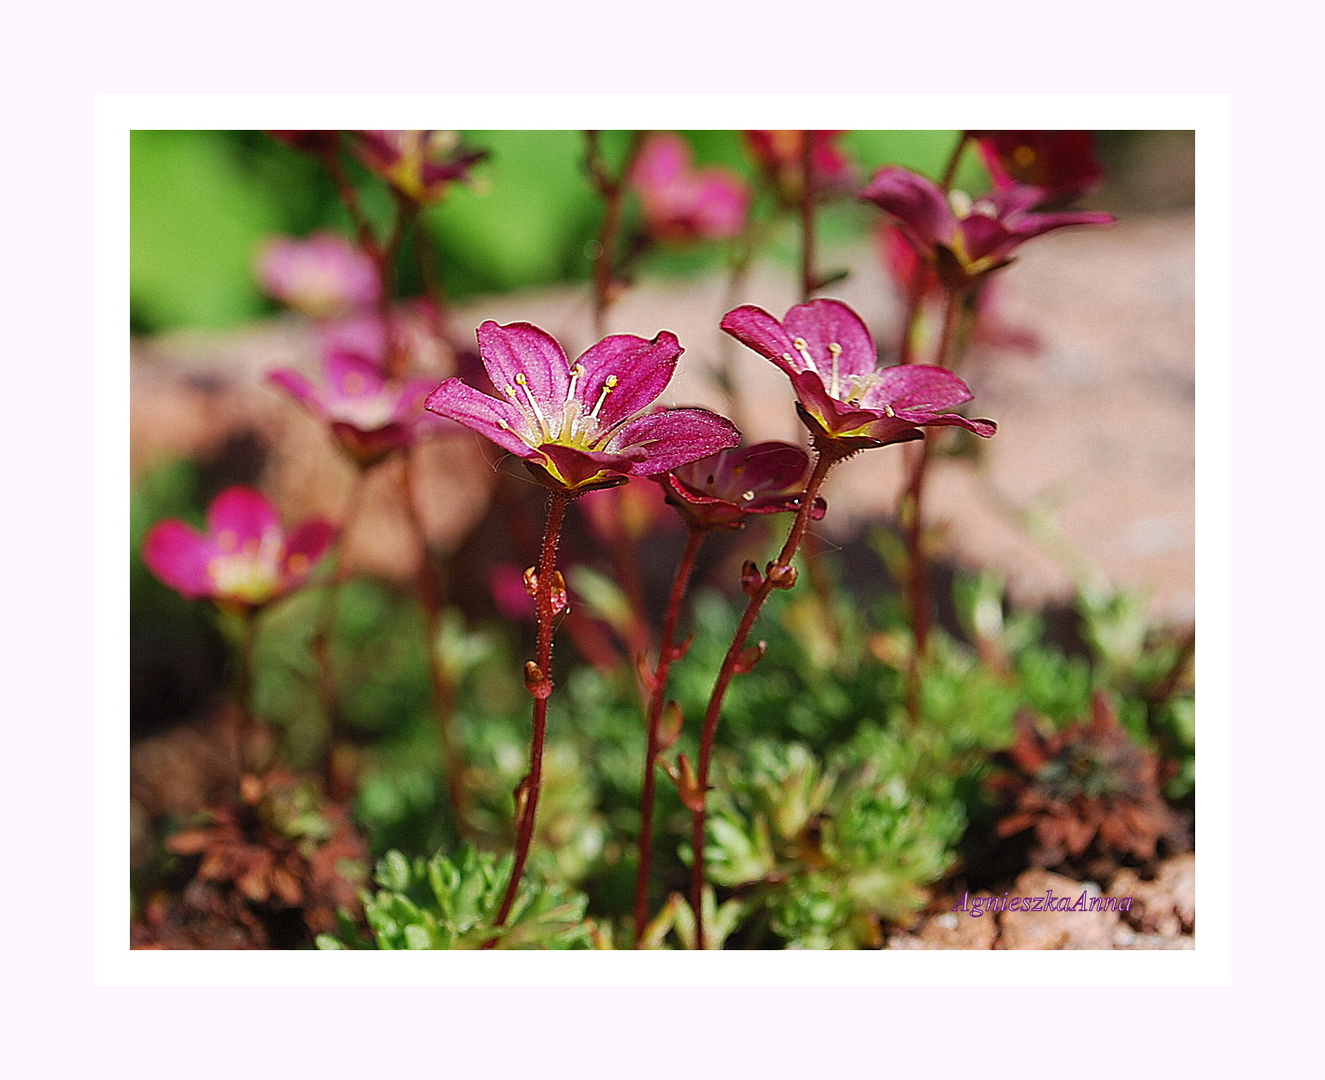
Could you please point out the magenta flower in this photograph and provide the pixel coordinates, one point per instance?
(720, 491)
(323, 277)
(583, 426)
(965, 240)
(369, 413)
(844, 395)
(780, 155)
(1062, 164)
(419, 164)
(683, 203)
(244, 560)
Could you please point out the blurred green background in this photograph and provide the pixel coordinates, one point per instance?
(203, 201)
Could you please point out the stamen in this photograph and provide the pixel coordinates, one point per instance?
(960, 202)
(570, 413)
(608, 386)
(834, 350)
(523, 380)
(747, 496)
(804, 350)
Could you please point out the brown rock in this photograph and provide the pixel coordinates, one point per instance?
(1056, 929)
(1165, 906)
(960, 930)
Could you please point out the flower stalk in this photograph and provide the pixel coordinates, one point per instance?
(655, 744)
(779, 574)
(538, 679)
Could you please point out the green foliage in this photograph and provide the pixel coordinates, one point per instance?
(828, 849)
(452, 902)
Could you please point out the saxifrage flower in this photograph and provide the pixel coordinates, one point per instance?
(245, 558)
(781, 155)
(720, 491)
(585, 425)
(684, 203)
(1062, 164)
(323, 277)
(844, 395)
(961, 239)
(369, 413)
(419, 164)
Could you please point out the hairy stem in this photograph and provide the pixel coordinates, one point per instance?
(527, 800)
(694, 539)
(829, 455)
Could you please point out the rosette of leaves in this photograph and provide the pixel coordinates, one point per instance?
(273, 868)
(451, 902)
(825, 852)
(1085, 791)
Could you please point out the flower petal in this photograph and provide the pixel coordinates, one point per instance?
(642, 369)
(178, 554)
(919, 390)
(520, 355)
(675, 437)
(836, 416)
(351, 376)
(239, 514)
(300, 388)
(575, 468)
(821, 323)
(765, 466)
(307, 544)
(497, 420)
(756, 329)
(917, 204)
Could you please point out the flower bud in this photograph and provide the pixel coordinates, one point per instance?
(750, 656)
(536, 682)
(669, 725)
(751, 578)
(781, 577)
(678, 651)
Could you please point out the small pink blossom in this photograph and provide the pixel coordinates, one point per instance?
(964, 240)
(323, 277)
(844, 395)
(369, 413)
(781, 156)
(419, 164)
(586, 425)
(684, 203)
(244, 560)
(1062, 164)
(721, 491)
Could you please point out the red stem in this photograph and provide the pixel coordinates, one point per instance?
(432, 594)
(556, 512)
(656, 700)
(809, 282)
(829, 455)
(610, 188)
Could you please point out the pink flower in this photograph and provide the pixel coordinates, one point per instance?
(369, 413)
(720, 491)
(780, 155)
(829, 355)
(964, 240)
(419, 164)
(244, 560)
(323, 277)
(683, 203)
(1062, 164)
(582, 426)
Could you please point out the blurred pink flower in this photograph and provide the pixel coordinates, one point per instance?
(1062, 164)
(720, 491)
(964, 240)
(844, 395)
(324, 277)
(311, 142)
(780, 155)
(369, 413)
(583, 426)
(684, 203)
(244, 560)
(419, 164)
